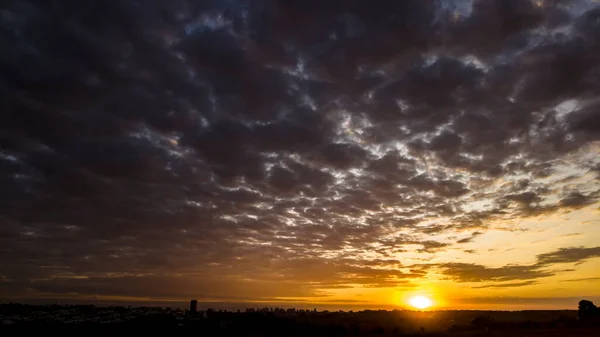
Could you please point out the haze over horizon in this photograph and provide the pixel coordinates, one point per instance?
(333, 153)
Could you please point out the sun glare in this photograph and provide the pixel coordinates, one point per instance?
(420, 302)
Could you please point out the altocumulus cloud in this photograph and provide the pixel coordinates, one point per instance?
(282, 148)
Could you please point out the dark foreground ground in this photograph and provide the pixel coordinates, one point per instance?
(20, 319)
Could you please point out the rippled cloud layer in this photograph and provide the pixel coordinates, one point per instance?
(273, 149)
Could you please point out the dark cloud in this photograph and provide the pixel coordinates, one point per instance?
(508, 285)
(585, 279)
(528, 274)
(576, 200)
(569, 255)
(205, 137)
(466, 272)
(265, 281)
(188, 286)
(470, 238)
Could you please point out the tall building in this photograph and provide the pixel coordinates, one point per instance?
(193, 306)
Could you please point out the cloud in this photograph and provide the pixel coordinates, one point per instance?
(576, 200)
(508, 285)
(528, 274)
(204, 287)
(246, 139)
(569, 255)
(467, 272)
(470, 238)
(571, 235)
(583, 279)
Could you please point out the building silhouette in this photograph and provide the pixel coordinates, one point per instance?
(193, 307)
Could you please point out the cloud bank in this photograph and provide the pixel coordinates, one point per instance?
(280, 149)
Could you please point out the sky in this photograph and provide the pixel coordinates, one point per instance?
(333, 153)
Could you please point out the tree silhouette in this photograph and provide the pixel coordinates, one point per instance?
(587, 310)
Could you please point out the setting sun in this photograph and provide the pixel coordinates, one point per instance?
(420, 302)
